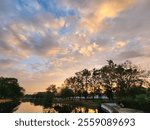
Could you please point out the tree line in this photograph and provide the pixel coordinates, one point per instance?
(125, 79)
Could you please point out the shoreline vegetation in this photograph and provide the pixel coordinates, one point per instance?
(85, 103)
(124, 84)
(5, 100)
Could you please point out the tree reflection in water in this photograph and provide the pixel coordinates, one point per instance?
(84, 110)
(40, 102)
(9, 107)
(66, 108)
(46, 107)
(49, 107)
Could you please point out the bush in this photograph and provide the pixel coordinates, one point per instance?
(140, 102)
(140, 97)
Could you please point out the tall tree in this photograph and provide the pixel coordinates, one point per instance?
(72, 83)
(10, 88)
(108, 78)
(129, 76)
(82, 83)
(94, 82)
(52, 89)
(86, 75)
(83, 78)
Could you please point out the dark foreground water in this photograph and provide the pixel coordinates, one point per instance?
(30, 107)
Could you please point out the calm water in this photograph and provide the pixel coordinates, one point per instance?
(30, 107)
(55, 108)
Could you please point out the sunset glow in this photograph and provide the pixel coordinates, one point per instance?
(43, 42)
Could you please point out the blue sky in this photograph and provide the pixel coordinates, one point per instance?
(42, 42)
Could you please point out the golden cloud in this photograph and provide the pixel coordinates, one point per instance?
(120, 44)
(90, 49)
(107, 9)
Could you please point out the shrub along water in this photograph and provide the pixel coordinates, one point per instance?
(140, 102)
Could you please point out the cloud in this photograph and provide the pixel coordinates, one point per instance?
(130, 54)
(120, 44)
(7, 63)
(43, 42)
(29, 37)
(107, 9)
(55, 24)
(90, 49)
(130, 23)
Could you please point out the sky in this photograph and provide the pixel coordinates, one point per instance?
(43, 42)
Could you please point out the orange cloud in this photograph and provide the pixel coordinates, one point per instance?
(90, 49)
(107, 9)
(120, 44)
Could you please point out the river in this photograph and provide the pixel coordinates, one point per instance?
(30, 107)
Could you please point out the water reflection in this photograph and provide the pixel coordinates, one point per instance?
(39, 102)
(28, 107)
(36, 106)
(84, 110)
(66, 108)
(9, 107)
(59, 108)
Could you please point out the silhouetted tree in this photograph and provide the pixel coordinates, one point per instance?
(52, 89)
(108, 78)
(84, 77)
(9, 88)
(94, 82)
(122, 79)
(80, 84)
(66, 92)
(85, 94)
(72, 83)
(130, 76)
(9, 107)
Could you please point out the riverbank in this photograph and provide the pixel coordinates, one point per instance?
(115, 108)
(108, 107)
(98, 105)
(140, 102)
(5, 100)
(85, 103)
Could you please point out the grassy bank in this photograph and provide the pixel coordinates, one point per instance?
(85, 103)
(140, 102)
(5, 100)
